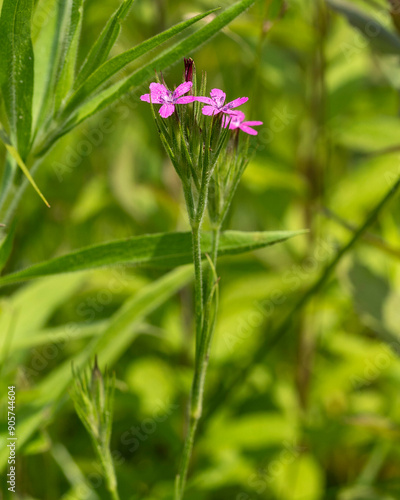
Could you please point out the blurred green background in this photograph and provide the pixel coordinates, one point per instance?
(319, 419)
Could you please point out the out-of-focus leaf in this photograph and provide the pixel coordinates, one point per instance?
(113, 341)
(156, 250)
(31, 306)
(376, 302)
(368, 136)
(6, 246)
(16, 70)
(251, 431)
(379, 37)
(74, 475)
(301, 476)
(101, 49)
(40, 444)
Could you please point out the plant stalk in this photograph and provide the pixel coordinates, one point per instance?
(104, 454)
(201, 365)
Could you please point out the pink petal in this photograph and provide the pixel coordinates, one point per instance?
(185, 100)
(166, 110)
(206, 100)
(236, 116)
(155, 99)
(236, 102)
(209, 110)
(252, 123)
(157, 89)
(182, 89)
(248, 130)
(218, 94)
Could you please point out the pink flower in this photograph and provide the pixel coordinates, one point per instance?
(216, 103)
(236, 120)
(168, 98)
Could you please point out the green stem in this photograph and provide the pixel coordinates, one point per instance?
(109, 471)
(201, 365)
(198, 283)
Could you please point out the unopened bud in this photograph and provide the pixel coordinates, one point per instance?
(97, 387)
(189, 64)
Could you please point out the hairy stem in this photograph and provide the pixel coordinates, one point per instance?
(201, 365)
(104, 454)
(198, 282)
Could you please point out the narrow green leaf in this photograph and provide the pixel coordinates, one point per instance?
(167, 58)
(114, 65)
(15, 155)
(156, 250)
(67, 66)
(101, 49)
(53, 46)
(16, 70)
(379, 37)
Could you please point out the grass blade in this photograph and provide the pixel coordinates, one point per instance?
(101, 49)
(157, 250)
(67, 67)
(114, 65)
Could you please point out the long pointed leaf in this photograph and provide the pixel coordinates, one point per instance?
(53, 46)
(157, 250)
(114, 65)
(16, 70)
(101, 49)
(67, 68)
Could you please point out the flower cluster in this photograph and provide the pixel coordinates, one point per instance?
(215, 104)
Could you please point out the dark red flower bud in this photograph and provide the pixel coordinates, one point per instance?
(189, 63)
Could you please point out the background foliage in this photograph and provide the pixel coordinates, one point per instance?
(319, 417)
